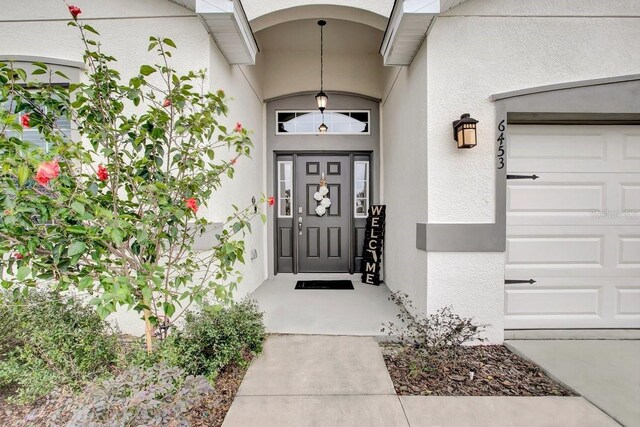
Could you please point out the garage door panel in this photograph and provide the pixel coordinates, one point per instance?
(630, 199)
(574, 199)
(549, 250)
(570, 302)
(589, 149)
(559, 143)
(631, 146)
(565, 251)
(629, 251)
(628, 303)
(553, 301)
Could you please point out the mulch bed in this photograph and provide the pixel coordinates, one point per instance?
(212, 409)
(209, 411)
(490, 370)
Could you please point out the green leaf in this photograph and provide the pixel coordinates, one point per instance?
(85, 282)
(90, 29)
(147, 70)
(23, 273)
(23, 174)
(76, 248)
(78, 207)
(63, 75)
(169, 42)
(117, 236)
(168, 309)
(38, 71)
(77, 229)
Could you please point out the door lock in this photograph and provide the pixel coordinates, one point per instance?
(300, 225)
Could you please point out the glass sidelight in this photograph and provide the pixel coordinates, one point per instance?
(285, 189)
(361, 188)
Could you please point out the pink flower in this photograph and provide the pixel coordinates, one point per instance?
(18, 255)
(24, 120)
(238, 127)
(47, 171)
(166, 103)
(75, 11)
(191, 204)
(102, 173)
(271, 201)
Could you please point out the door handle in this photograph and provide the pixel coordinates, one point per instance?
(300, 225)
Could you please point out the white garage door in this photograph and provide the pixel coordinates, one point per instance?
(575, 230)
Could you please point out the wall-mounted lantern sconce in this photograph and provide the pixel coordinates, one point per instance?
(464, 131)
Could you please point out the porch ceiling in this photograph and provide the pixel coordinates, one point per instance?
(408, 26)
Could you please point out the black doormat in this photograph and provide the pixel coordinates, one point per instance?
(324, 284)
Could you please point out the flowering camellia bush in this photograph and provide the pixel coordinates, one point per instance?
(112, 209)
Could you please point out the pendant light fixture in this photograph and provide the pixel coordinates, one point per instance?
(321, 97)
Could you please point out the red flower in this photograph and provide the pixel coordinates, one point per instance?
(102, 173)
(238, 127)
(18, 255)
(75, 11)
(191, 204)
(47, 171)
(271, 201)
(166, 103)
(24, 120)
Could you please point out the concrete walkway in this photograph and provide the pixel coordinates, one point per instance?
(605, 372)
(336, 381)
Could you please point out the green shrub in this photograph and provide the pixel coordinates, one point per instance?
(152, 396)
(212, 339)
(49, 341)
(436, 338)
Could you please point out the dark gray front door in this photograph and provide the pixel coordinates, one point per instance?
(323, 241)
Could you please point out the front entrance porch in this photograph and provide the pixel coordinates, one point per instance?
(360, 311)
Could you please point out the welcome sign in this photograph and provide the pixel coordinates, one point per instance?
(373, 244)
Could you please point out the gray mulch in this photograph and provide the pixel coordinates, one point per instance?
(490, 370)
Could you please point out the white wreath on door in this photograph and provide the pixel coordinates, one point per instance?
(321, 196)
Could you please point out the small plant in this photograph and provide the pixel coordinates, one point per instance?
(50, 341)
(154, 396)
(435, 338)
(212, 339)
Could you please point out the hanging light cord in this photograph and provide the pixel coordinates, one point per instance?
(321, 57)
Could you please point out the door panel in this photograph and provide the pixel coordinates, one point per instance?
(323, 241)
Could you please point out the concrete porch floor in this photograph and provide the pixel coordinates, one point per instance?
(360, 311)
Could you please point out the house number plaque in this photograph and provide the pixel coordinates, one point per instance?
(373, 244)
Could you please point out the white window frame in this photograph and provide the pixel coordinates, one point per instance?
(368, 132)
(280, 181)
(367, 189)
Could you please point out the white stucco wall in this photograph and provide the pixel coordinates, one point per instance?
(39, 29)
(491, 46)
(404, 155)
